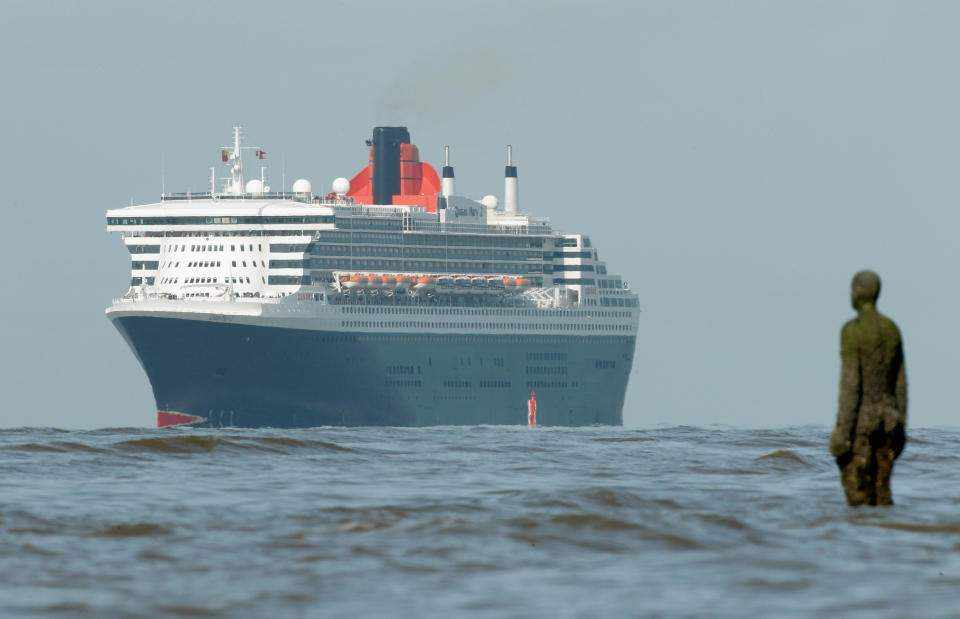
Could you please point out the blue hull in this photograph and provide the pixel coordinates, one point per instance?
(250, 376)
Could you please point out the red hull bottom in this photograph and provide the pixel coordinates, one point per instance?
(168, 418)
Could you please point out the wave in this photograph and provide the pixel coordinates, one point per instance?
(951, 527)
(171, 444)
(139, 529)
(203, 443)
(624, 439)
(783, 454)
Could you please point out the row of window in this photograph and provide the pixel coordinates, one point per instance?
(573, 267)
(204, 220)
(144, 249)
(514, 268)
(402, 382)
(547, 384)
(195, 248)
(178, 234)
(416, 324)
(286, 264)
(603, 364)
(399, 369)
(148, 265)
(619, 302)
(547, 356)
(206, 280)
(288, 280)
(456, 311)
(496, 384)
(578, 281)
(458, 384)
(284, 248)
(438, 240)
(368, 223)
(398, 251)
(538, 370)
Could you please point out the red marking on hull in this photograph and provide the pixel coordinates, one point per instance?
(168, 418)
(532, 406)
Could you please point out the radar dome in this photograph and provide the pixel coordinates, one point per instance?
(341, 186)
(254, 186)
(302, 185)
(490, 201)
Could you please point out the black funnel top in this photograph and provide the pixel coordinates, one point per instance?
(386, 162)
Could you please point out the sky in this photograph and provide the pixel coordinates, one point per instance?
(736, 162)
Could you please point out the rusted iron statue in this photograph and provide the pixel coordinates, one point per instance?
(872, 411)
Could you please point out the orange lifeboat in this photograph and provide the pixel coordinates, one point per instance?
(426, 281)
(523, 282)
(509, 282)
(350, 281)
(387, 280)
(402, 280)
(372, 280)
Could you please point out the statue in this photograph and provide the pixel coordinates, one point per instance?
(872, 410)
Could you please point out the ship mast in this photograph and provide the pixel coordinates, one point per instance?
(233, 155)
(235, 159)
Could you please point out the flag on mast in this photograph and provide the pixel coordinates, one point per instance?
(261, 154)
(225, 154)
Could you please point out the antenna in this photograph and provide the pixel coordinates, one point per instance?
(163, 178)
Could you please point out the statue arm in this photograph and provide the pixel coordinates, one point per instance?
(899, 437)
(841, 441)
(902, 389)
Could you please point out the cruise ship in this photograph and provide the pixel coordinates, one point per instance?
(390, 300)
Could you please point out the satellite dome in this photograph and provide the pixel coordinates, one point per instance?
(490, 201)
(254, 186)
(341, 186)
(302, 185)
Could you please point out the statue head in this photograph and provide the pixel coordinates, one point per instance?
(864, 289)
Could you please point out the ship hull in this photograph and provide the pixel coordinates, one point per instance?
(214, 374)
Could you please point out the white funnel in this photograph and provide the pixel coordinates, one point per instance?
(511, 193)
(448, 184)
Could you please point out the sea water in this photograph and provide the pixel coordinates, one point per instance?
(469, 521)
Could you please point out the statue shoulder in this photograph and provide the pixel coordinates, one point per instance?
(890, 327)
(850, 338)
(850, 328)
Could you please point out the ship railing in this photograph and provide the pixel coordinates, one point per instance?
(414, 225)
(206, 195)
